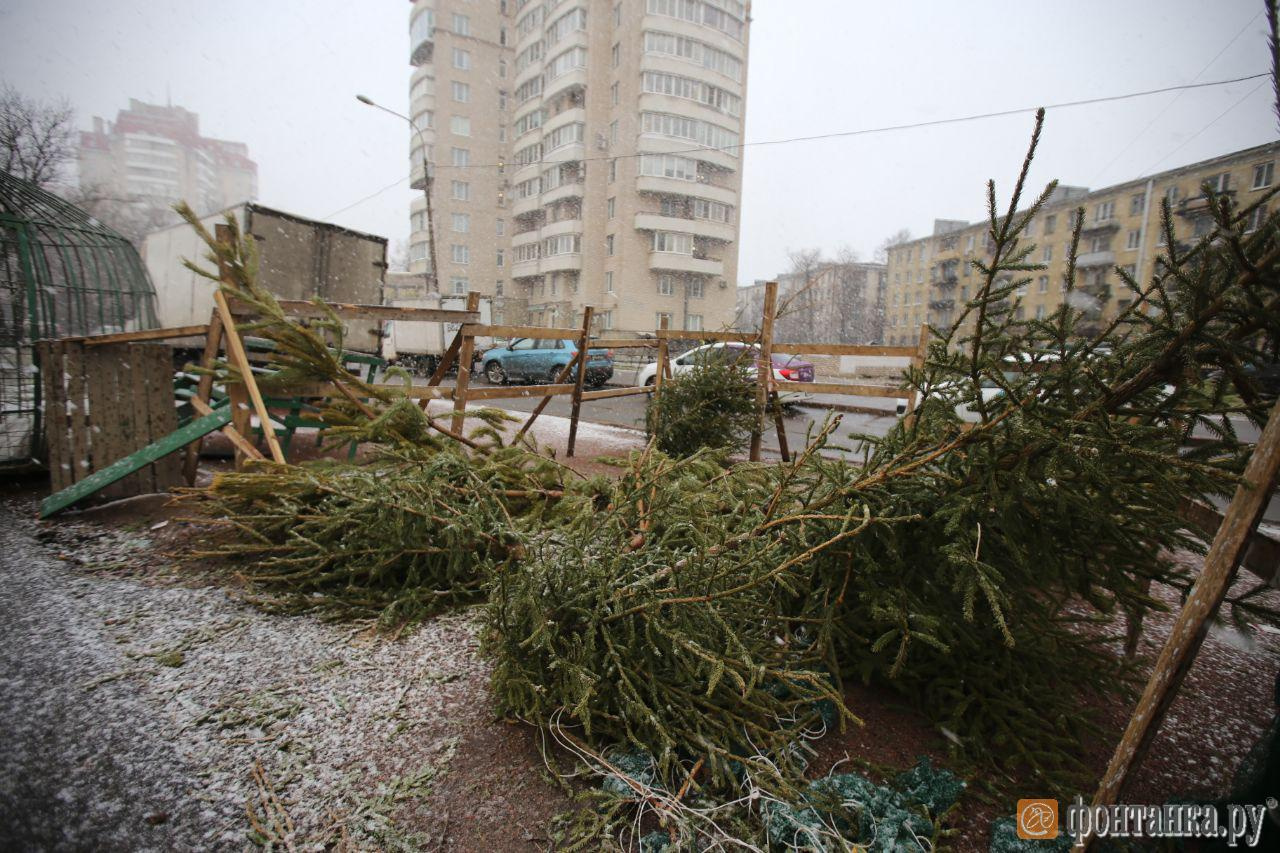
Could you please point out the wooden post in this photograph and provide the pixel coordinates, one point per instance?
(465, 354)
(235, 348)
(776, 405)
(238, 399)
(1220, 565)
(917, 361)
(764, 367)
(584, 340)
(661, 374)
(204, 389)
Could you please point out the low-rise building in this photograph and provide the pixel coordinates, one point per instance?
(930, 280)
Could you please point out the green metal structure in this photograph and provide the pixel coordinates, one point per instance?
(62, 274)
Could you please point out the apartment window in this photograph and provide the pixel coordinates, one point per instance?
(668, 241)
(460, 125)
(462, 222)
(608, 245)
(694, 130)
(461, 253)
(1262, 175)
(1100, 244)
(529, 89)
(564, 63)
(1042, 284)
(1039, 312)
(497, 287)
(1203, 225)
(502, 133)
(461, 92)
(1256, 217)
(669, 166)
(612, 206)
(1134, 236)
(1171, 193)
(502, 63)
(721, 100)
(606, 319)
(563, 244)
(502, 99)
(616, 55)
(500, 228)
(617, 15)
(666, 285)
(461, 25)
(458, 284)
(693, 51)
(461, 191)
(461, 157)
(693, 323)
(1047, 255)
(613, 94)
(502, 40)
(1130, 270)
(1050, 222)
(1020, 290)
(613, 170)
(661, 320)
(613, 132)
(695, 289)
(608, 282)
(968, 244)
(418, 252)
(1220, 183)
(461, 59)
(562, 136)
(571, 22)
(1136, 203)
(1104, 211)
(501, 258)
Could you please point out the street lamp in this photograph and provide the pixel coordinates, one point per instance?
(426, 183)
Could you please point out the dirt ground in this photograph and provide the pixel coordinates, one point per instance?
(149, 705)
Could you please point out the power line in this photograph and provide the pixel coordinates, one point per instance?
(1175, 98)
(846, 133)
(1189, 139)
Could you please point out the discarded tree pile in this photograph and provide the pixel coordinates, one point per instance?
(704, 616)
(711, 406)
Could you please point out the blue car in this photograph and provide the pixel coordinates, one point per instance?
(532, 360)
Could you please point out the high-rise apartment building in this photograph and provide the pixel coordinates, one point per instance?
(929, 280)
(155, 155)
(585, 152)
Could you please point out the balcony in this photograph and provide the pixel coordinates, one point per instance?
(698, 227)
(565, 153)
(1096, 259)
(676, 186)
(672, 262)
(1198, 204)
(945, 281)
(942, 304)
(564, 226)
(523, 206)
(423, 51)
(569, 189)
(727, 160)
(1104, 226)
(566, 82)
(562, 263)
(524, 239)
(525, 269)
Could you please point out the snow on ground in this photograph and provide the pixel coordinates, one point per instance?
(552, 431)
(136, 714)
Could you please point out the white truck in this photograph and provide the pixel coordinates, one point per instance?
(299, 258)
(417, 346)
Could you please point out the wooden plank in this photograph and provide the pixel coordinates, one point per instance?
(624, 343)
(466, 353)
(678, 335)
(110, 416)
(98, 381)
(236, 348)
(618, 392)
(576, 405)
(662, 373)
(1263, 556)
(917, 361)
(536, 332)
(841, 388)
(55, 413)
(109, 474)
(204, 387)
(844, 349)
(764, 371)
(511, 392)
(241, 418)
(145, 335)
(238, 441)
(1189, 630)
(77, 410)
(135, 392)
(162, 414)
(357, 311)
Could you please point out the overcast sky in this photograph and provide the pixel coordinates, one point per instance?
(282, 77)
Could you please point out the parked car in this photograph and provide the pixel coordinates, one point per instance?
(786, 368)
(530, 359)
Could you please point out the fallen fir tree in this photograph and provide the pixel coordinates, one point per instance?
(706, 614)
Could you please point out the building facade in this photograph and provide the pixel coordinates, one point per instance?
(930, 279)
(835, 302)
(154, 156)
(584, 152)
